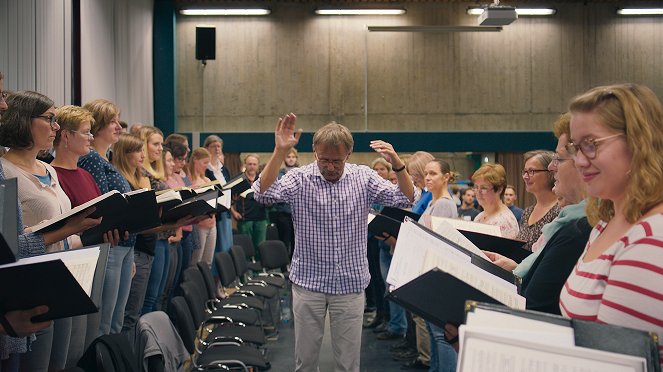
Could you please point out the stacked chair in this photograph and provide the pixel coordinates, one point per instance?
(229, 333)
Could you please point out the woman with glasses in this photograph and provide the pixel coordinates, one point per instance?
(539, 181)
(489, 185)
(28, 127)
(71, 142)
(617, 142)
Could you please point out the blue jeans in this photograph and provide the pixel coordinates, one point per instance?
(397, 318)
(187, 242)
(224, 232)
(224, 237)
(137, 293)
(443, 357)
(158, 276)
(117, 283)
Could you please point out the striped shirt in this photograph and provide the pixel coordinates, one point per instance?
(331, 224)
(623, 286)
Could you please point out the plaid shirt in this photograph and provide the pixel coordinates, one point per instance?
(331, 226)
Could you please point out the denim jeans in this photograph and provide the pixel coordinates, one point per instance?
(117, 284)
(224, 232)
(137, 293)
(187, 248)
(397, 318)
(443, 357)
(158, 276)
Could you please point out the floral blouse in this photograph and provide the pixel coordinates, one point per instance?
(530, 233)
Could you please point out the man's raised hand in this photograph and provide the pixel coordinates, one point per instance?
(285, 136)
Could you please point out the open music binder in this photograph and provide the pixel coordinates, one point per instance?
(8, 221)
(389, 220)
(433, 277)
(134, 212)
(237, 185)
(201, 204)
(68, 282)
(481, 236)
(550, 342)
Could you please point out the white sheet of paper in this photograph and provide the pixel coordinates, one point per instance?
(445, 229)
(469, 226)
(488, 352)
(82, 263)
(225, 200)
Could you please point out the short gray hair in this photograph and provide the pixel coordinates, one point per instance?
(333, 134)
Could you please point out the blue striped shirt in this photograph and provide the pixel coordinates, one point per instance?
(330, 222)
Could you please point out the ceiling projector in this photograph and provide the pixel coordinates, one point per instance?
(498, 15)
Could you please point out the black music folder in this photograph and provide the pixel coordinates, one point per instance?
(237, 185)
(511, 248)
(46, 280)
(389, 221)
(195, 206)
(440, 297)
(134, 212)
(592, 335)
(8, 221)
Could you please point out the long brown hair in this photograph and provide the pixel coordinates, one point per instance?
(127, 144)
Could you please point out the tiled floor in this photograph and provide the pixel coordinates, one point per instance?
(375, 355)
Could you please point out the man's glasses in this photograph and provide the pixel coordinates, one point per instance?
(589, 147)
(50, 118)
(86, 134)
(556, 160)
(532, 172)
(482, 189)
(326, 162)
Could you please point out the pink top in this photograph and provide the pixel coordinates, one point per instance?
(78, 184)
(207, 223)
(623, 286)
(176, 181)
(504, 219)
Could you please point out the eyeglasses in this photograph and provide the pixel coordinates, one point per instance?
(3, 96)
(326, 162)
(86, 134)
(482, 189)
(532, 172)
(589, 147)
(50, 118)
(556, 160)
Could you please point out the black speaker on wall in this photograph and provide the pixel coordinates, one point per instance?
(205, 43)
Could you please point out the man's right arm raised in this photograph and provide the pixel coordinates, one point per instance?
(285, 138)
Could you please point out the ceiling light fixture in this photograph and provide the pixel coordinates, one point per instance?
(226, 12)
(520, 11)
(360, 11)
(640, 11)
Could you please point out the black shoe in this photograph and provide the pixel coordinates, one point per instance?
(374, 323)
(400, 346)
(414, 364)
(389, 336)
(381, 328)
(408, 354)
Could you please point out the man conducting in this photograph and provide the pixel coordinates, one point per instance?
(330, 204)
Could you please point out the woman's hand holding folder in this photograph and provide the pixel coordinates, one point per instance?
(18, 323)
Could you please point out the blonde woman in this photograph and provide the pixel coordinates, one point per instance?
(416, 165)
(616, 142)
(205, 230)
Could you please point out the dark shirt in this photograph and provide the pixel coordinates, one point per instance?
(543, 282)
(516, 212)
(108, 178)
(471, 213)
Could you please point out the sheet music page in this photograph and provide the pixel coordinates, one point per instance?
(232, 183)
(468, 226)
(410, 255)
(498, 321)
(492, 285)
(484, 352)
(225, 200)
(82, 264)
(246, 193)
(371, 216)
(445, 229)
